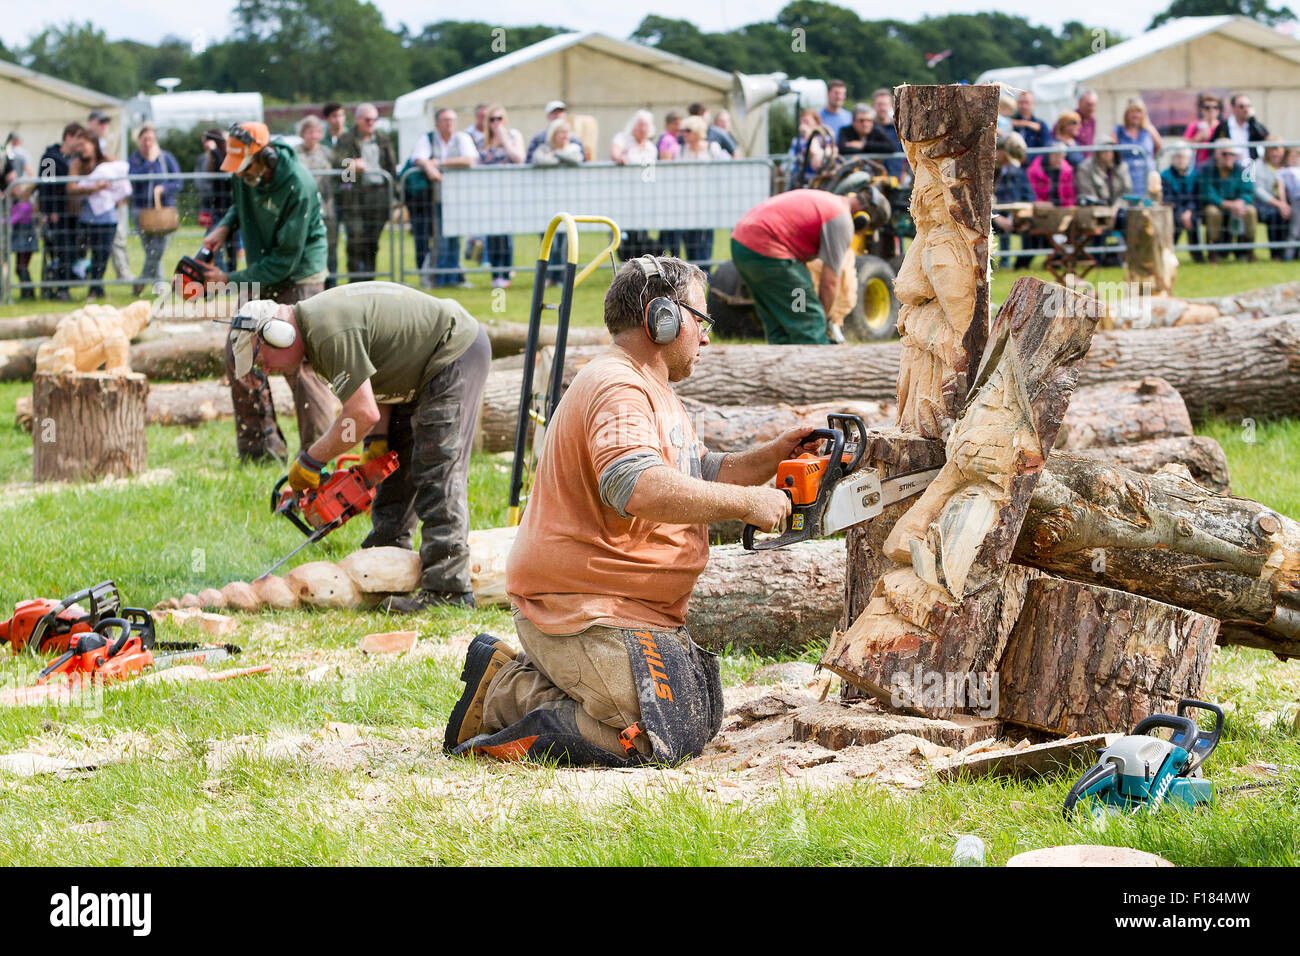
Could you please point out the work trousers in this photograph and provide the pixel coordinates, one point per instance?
(1215, 221)
(784, 297)
(591, 667)
(433, 437)
(365, 214)
(257, 433)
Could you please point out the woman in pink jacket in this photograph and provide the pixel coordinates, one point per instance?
(1052, 178)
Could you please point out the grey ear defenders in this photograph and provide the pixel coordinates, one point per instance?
(662, 320)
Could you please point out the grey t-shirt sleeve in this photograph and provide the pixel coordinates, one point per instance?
(711, 465)
(837, 235)
(618, 480)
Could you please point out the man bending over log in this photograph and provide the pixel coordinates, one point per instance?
(409, 370)
(611, 544)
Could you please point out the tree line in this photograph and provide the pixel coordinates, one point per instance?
(313, 50)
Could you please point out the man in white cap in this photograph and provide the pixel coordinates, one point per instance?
(409, 370)
(555, 109)
(276, 210)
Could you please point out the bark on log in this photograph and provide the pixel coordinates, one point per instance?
(88, 425)
(1086, 659)
(942, 608)
(30, 326)
(948, 133)
(1162, 536)
(1227, 367)
(1123, 412)
(176, 357)
(768, 601)
(510, 338)
(1200, 455)
(184, 403)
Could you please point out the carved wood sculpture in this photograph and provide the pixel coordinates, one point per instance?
(948, 133)
(943, 606)
(92, 336)
(1150, 260)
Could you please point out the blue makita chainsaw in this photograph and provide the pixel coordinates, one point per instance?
(1140, 771)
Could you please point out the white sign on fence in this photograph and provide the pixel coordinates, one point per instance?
(505, 200)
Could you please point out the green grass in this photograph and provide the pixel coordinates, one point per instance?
(209, 522)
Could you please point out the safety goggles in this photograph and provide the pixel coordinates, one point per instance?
(706, 323)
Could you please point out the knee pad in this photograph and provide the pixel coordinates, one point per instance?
(548, 733)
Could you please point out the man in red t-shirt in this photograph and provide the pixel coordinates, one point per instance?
(771, 244)
(611, 544)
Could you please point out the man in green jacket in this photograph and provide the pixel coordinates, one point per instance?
(276, 209)
(1225, 192)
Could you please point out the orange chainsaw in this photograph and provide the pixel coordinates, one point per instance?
(118, 649)
(342, 495)
(827, 491)
(43, 625)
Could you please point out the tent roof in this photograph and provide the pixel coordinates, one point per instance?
(412, 104)
(71, 91)
(1174, 33)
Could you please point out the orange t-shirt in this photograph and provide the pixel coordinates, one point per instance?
(575, 561)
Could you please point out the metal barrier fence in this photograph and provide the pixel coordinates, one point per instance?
(1273, 232)
(683, 201)
(139, 261)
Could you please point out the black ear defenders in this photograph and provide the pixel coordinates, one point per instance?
(662, 320)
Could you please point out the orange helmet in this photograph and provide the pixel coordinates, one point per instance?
(243, 142)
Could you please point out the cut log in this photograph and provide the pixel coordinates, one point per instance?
(1227, 367)
(1199, 454)
(1030, 762)
(240, 596)
(835, 726)
(738, 428)
(942, 607)
(322, 584)
(1123, 412)
(510, 338)
(1088, 660)
(31, 326)
(488, 550)
(496, 424)
(88, 425)
(274, 592)
(181, 358)
(383, 570)
(948, 133)
(1164, 537)
(768, 601)
(1150, 262)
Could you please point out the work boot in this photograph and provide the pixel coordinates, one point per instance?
(549, 733)
(485, 657)
(423, 599)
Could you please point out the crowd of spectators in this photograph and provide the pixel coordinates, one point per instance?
(1226, 182)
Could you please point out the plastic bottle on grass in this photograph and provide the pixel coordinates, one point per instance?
(968, 852)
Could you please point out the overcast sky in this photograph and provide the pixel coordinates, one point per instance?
(150, 20)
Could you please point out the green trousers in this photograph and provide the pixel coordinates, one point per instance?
(784, 297)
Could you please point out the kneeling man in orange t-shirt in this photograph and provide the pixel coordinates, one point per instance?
(611, 544)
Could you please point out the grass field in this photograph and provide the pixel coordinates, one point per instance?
(333, 758)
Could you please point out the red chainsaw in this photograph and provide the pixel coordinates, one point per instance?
(44, 625)
(342, 495)
(118, 649)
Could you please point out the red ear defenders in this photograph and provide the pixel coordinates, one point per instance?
(662, 320)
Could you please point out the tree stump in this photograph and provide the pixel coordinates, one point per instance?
(87, 425)
(1150, 260)
(1087, 659)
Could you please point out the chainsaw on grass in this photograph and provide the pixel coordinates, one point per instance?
(43, 625)
(1143, 772)
(342, 495)
(117, 649)
(826, 492)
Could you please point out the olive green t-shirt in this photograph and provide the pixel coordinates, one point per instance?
(395, 336)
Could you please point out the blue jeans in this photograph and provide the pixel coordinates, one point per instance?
(99, 243)
(154, 248)
(421, 210)
(699, 246)
(448, 255)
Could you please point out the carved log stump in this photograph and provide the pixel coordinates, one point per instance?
(945, 604)
(1150, 260)
(1086, 659)
(88, 425)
